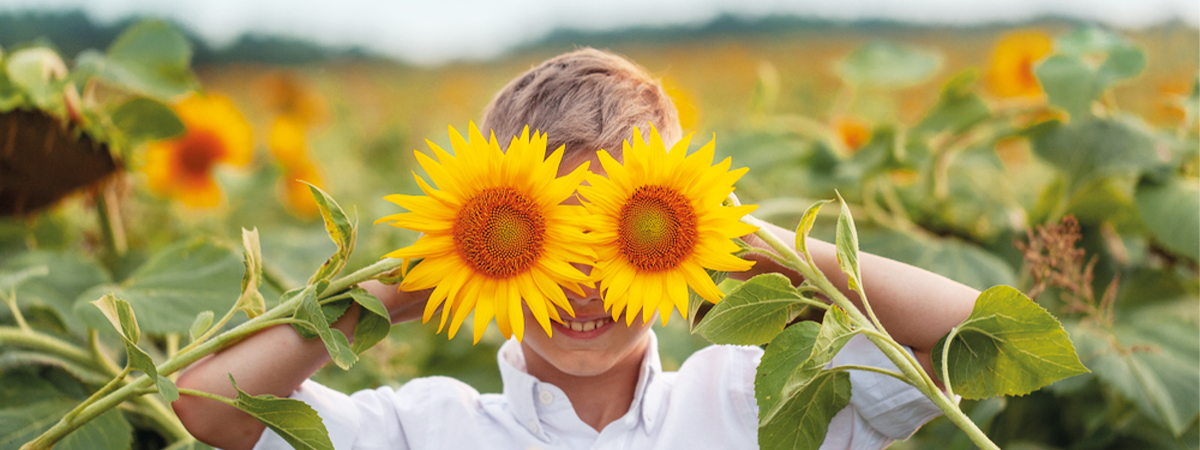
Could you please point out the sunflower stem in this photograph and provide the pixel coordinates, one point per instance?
(111, 226)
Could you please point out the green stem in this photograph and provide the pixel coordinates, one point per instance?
(207, 395)
(195, 351)
(98, 355)
(366, 273)
(11, 301)
(110, 221)
(890, 373)
(912, 370)
(112, 384)
(45, 343)
(946, 362)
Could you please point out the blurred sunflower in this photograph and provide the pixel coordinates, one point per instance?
(495, 233)
(851, 132)
(1011, 73)
(286, 94)
(288, 144)
(182, 167)
(660, 223)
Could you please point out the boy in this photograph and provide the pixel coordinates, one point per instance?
(597, 389)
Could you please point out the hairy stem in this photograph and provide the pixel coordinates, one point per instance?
(46, 343)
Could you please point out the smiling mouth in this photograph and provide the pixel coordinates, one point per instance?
(587, 326)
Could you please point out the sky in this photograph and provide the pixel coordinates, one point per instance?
(431, 32)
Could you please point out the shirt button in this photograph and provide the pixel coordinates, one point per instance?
(546, 397)
(533, 427)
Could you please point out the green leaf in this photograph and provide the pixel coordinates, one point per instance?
(958, 107)
(340, 229)
(1069, 84)
(150, 57)
(802, 421)
(293, 420)
(10, 280)
(31, 405)
(1087, 149)
(142, 120)
(13, 359)
(695, 301)
(374, 322)
(120, 315)
(886, 65)
(166, 388)
(1172, 212)
(251, 301)
(36, 70)
(1152, 359)
(69, 276)
(753, 313)
(335, 342)
(1009, 345)
(805, 226)
(786, 352)
(177, 284)
(847, 248)
(836, 330)
(202, 323)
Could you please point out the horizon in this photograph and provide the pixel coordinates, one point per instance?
(437, 36)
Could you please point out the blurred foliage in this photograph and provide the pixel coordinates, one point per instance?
(942, 170)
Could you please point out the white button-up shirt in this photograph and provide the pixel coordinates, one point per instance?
(708, 404)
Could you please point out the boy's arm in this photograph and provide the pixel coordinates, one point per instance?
(274, 361)
(917, 307)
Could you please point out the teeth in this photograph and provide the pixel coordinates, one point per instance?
(587, 326)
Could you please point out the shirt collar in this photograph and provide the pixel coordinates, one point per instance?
(521, 389)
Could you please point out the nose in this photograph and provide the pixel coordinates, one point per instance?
(591, 294)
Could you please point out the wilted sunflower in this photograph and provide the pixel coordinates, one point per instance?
(660, 223)
(1011, 72)
(183, 167)
(495, 232)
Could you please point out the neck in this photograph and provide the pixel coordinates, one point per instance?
(598, 399)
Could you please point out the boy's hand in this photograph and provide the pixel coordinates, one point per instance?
(403, 306)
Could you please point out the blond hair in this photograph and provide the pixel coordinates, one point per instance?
(586, 100)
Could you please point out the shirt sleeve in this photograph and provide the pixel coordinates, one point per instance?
(347, 418)
(882, 408)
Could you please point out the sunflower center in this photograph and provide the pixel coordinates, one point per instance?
(500, 232)
(657, 228)
(198, 152)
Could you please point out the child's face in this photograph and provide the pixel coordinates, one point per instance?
(602, 343)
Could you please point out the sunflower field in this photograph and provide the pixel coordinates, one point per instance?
(152, 213)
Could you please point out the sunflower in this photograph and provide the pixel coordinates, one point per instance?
(182, 167)
(288, 144)
(660, 223)
(1011, 72)
(495, 232)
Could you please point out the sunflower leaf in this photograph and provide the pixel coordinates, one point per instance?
(341, 229)
(120, 314)
(1009, 345)
(805, 226)
(335, 342)
(786, 352)
(202, 323)
(251, 300)
(374, 322)
(803, 418)
(753, 313)
(836, 330)
(293, 420)
(847, 248)
(143, 119)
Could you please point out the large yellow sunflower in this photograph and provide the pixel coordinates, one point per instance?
(182, 167)
(495, 232)
(659, 223)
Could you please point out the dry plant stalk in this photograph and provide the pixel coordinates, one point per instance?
(1052, 260)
